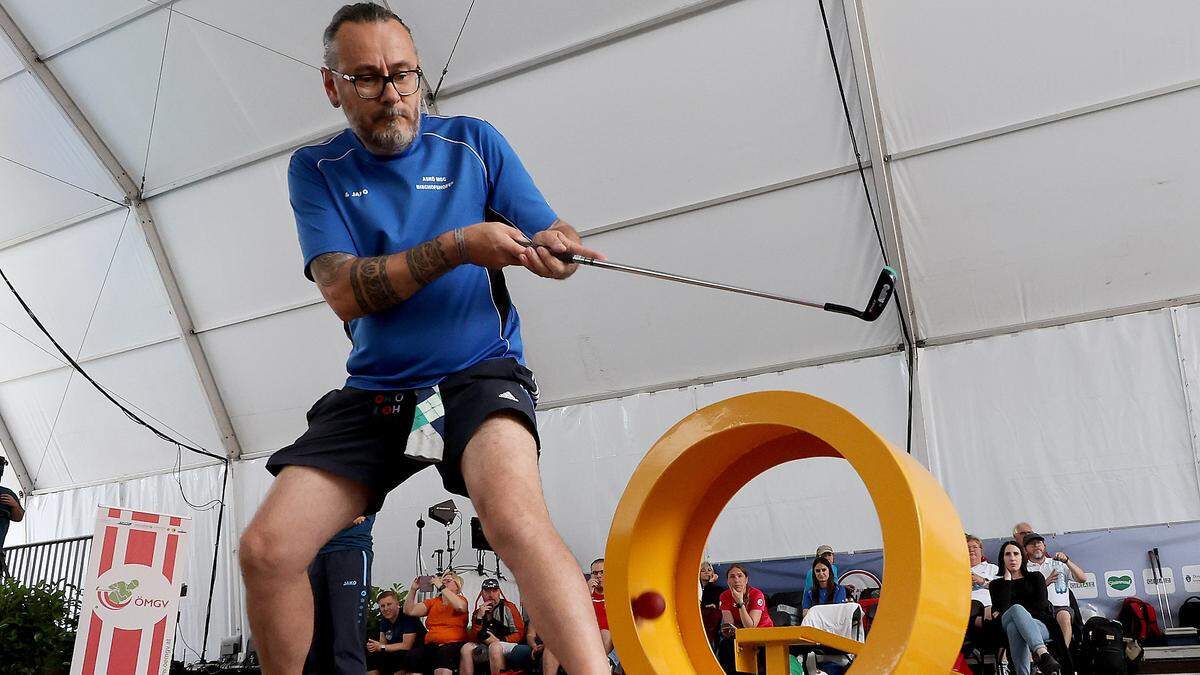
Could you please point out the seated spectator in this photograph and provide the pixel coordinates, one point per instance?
(742, 606)
(710, 601)
(823, 551)
(1019, 600)
(982, 573)
(596, 584)
(710, 586)
(445, 623)
(398, 634)
(1057, 570)
(825, 590)
(496, 628)
(1020, 530)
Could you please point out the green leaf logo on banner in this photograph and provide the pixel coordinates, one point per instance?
(1120, 583)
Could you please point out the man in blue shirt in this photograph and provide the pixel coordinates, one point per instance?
(10, 512)
(406, 222)
(399, 634)
(340, 577)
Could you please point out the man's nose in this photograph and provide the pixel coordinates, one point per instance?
(390, 95)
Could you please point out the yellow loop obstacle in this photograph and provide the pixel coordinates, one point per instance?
(664, 518)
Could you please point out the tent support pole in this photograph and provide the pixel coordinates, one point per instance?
(14, 458)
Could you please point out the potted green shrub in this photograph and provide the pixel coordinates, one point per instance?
(37, 627)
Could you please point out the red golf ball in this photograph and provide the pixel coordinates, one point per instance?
(649, 605)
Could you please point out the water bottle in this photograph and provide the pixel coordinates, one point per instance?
(1060, 582)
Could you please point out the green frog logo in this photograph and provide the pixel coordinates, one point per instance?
(118, 594)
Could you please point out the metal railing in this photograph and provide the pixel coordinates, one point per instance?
(62, 562)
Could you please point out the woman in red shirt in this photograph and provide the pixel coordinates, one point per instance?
(742, 606)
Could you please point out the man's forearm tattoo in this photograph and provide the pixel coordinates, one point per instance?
(326, 268)
(427, 262)
(372, 289)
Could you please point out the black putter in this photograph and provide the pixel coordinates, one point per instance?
(880, 295)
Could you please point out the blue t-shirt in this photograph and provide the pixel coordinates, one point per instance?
(839, 595)
(395, 632)
(459, 171)
(5, 514)
(353, 538)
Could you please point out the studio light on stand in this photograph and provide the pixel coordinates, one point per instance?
(444, 513)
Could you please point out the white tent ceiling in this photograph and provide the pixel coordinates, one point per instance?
(704, 138)
(1033, 169)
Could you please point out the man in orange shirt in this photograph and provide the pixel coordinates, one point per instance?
(445, 620)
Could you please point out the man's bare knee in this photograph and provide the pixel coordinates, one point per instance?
(260, 553)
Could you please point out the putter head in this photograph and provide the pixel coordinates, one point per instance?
(880, 295)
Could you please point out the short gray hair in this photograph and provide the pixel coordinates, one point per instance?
(361, 12)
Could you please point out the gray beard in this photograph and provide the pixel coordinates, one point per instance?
(396, 139)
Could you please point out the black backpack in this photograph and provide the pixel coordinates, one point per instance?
(1189, 612)
(1102, 647)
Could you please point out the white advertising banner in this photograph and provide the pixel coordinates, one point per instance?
(131, 597)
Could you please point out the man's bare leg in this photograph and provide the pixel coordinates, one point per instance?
(500, 469)
(550, 663)
(1064, 622)
(496, 657)
(304, 508)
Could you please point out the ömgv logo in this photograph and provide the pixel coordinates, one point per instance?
(118, 594)
(133, 596)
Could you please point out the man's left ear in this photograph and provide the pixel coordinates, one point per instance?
(330, 90)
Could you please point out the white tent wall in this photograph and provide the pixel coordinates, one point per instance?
(1019, 202)
(1072, 428)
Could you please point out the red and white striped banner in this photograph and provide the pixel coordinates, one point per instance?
(131, 598)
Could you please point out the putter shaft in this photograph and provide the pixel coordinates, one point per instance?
(655, 274)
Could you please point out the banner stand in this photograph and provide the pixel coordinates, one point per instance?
(131, 596)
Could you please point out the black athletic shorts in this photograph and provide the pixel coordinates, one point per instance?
(349, 435)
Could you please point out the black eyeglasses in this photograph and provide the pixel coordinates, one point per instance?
(406, 82)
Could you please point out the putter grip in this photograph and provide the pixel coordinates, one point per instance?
(569, 258)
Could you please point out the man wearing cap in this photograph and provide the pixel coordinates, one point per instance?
(496, 628)
(823, 551)
(1057, 569)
